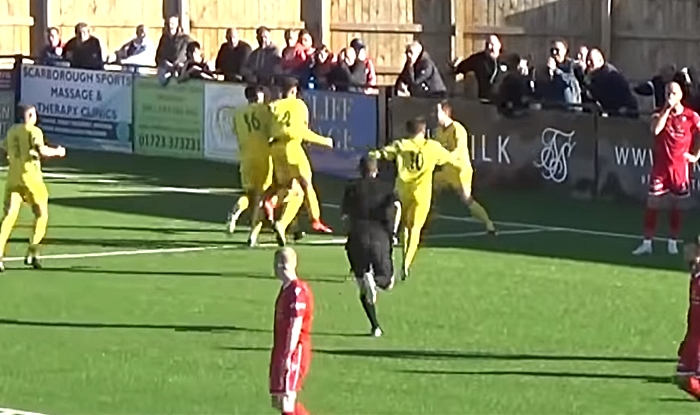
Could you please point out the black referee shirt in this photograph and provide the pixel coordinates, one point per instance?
(369, 204)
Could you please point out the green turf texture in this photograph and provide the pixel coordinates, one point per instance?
(545, 323)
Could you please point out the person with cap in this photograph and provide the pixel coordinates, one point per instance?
(371, 73)
(371, 211)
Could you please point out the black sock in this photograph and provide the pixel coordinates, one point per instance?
(370, 311)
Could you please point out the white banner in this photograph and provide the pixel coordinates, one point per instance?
(220, 102)
(80, 108)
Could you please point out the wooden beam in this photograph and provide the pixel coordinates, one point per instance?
(408, 28)
(520, 31)
(16, 21)
(251, 26)
(459, 14)
(606, 26)
(183, 12)
(387, 70)
(40, 10)
(114, 25)
(660, 36)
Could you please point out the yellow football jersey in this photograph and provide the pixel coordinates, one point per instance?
(22, 147)
(252, 127)
(415, 159)
(290, 118)
(456, 140)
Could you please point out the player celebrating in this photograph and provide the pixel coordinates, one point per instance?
(252, 127)
(674, 127)
(688, 370)
(416, 158)
(290, 128)
(24, 146)
(453, 136)
(372, 212)
(291, 352)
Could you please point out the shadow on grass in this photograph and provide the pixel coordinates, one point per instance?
(452, 354)
(539, 374)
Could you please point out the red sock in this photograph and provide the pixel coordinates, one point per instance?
(650, 218)
(675, 220)
(300, 410)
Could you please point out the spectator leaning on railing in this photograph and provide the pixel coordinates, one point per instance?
(84, 50)
(264, 63)
(323, 65)
(370, 72)
(195, 67)
(349, 74)
(138, 51)
(420, 77)
(487, 65)
(560, 82)
(515, 90)
(172, 49)
(232, 56)
(607, 86)
(52, 54)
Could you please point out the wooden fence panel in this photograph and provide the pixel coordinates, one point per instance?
(209, 20)
(15, 26)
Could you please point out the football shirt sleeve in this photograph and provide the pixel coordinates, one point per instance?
(387, 153)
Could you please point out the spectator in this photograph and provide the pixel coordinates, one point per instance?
(298, 63)
(370, 72)
(195, 66)
(84, 50)
(232, 56)
(324, 64)
(172, 46)
(264, 63)
(138, 51)
(608, 87)
(52, 54)
(515, 89)
(582, 58)
(560, 82)
(488, 67)
(655, 87)
(290, 41)
(419, 76)
(349, 75)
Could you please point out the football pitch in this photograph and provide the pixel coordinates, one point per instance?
(145, 306)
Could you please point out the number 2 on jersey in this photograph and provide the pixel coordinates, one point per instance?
(252, 122)
(415, 161)
(286, 117)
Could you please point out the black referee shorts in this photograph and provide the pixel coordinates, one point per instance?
(371, 253)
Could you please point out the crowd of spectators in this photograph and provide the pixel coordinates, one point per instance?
(508, 79)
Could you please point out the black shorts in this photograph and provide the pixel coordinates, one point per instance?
(371, 255)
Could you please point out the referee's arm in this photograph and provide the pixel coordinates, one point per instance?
(347, 204)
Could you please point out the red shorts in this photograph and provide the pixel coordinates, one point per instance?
(673, 180)
(290, 380)
(689, 356)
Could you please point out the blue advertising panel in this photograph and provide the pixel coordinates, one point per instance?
(81, 108)
(7, 101)
(351, 120)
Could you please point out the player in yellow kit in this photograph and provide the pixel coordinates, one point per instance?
(290, 129)
(453, 136)
(251, 124)
(416, 158)
(24, 146)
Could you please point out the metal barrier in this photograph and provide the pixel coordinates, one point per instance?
(113, 110)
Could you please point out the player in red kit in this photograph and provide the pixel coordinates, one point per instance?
(674, 127)
(291, 352)
(688, 370)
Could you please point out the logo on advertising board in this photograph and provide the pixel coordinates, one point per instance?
(555, 153)
(80, 108)
(220, 103)
(7, 102)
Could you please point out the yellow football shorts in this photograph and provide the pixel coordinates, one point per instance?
(256, 176)
(454, 178)
(32, 192)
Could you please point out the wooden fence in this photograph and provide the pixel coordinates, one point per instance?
(637, 35)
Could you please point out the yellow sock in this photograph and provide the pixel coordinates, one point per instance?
(479, 212)
(312, 203)
(255, 220)
(241, 205)
(8, 223)
(293, 202)
(412, 246)
(40, 225)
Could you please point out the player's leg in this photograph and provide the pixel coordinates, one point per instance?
(311, 199)
(463, 186)
(689, 366)
(657, 191)
(38, 198)
(13, 203)
(358, 258)
(244, 201)
(680, 192)
(415, 222)
(292, 200)
(258, 195)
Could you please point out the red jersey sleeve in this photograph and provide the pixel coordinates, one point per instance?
(298, 302)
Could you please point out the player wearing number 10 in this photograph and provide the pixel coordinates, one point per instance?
(416, 158)
(25, 147)
(252, 127)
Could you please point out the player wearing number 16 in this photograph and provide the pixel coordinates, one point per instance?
(24, 146)
(290, 128)
(416, 158)
(252, 128)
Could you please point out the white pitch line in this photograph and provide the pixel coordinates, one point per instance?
(126, 253)
(8, 411)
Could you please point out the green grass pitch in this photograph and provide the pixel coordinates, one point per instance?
(554, 316)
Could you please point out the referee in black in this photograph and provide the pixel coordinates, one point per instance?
(370, 210)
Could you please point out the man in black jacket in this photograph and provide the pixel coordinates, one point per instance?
(608, 87)
(232, 55)
(84, 50)
(420, 77)
(371, 210)
(488, 67)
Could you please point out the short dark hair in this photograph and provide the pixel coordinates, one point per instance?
(23, 109)
(367, 166)
(416, 126)
(81, 26)
(251, 92)
(446, 106)
(289, 83)
(260, 30)
(192, 46)
(52, 29)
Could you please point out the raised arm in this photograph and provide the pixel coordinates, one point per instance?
(658, 120)
(387, 153)
(44, 150)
